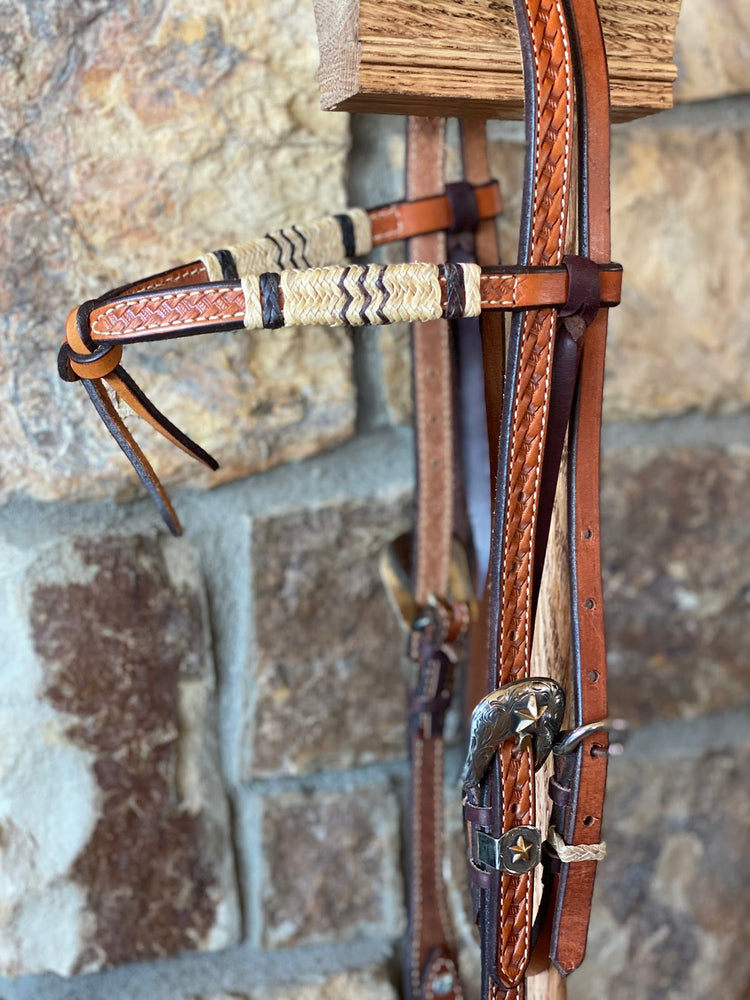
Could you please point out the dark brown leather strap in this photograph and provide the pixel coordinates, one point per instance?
(430, 943)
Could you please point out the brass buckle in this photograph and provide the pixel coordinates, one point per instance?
(395, 572)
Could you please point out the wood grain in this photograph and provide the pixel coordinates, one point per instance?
(462, 57)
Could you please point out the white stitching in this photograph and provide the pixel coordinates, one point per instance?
(381, 213)
(134, 303)
(171, 280)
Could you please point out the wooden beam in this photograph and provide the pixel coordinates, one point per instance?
(462, 57)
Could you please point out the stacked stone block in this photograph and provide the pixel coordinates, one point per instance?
(202, 769)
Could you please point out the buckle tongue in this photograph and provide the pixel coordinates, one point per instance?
(569, 740)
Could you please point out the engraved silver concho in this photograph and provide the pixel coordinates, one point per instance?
(532, 708)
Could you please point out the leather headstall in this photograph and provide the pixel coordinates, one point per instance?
(492, 421)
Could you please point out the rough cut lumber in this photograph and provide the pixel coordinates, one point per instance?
(462, 57)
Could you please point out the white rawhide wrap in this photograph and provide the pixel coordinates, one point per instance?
(314, 244)
(351, 296)
(253, 319)
(472, 289)
(575, 852)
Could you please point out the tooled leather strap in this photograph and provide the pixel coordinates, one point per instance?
(355, 295)
(506, 911)
(581, 776)
(430, 944)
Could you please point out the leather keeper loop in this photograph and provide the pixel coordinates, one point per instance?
(72, 366)
(478, 815)
(559, 794)
(584, 296)
(479, 878)
(462, 201)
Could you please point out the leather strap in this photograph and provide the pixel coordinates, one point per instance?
(209, 308)
(582, 775)
(430, 943)
(435, 213)
(506, 907)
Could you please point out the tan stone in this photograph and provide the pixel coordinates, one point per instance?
(114, 830)
(681, 205)
(712, 49)
(148, 136)
(676, 563)
(365, 985)
(331, 866)
(328, 690)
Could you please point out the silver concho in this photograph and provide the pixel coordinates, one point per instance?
(532, 708)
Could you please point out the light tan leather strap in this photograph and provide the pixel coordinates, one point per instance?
(581, 776)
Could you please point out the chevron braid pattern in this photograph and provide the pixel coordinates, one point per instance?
(356, 295)
(551, 188)
(312, 245)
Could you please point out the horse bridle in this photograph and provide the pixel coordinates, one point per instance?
(485, 412)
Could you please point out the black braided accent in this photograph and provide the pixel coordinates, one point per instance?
(347, 234)
(280, 254)
(292, 248)
(348, 297)
(302, 236)
(228, 266)
(455, 292)
(367, 298)
(273, 314)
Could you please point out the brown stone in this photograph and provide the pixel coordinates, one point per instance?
(711, 49)
(365, 985)
(142, 138)
(672, 897)
(331, 866)
(677, 580)
(114, 829)
(329, 692)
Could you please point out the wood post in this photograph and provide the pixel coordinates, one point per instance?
(462, 58)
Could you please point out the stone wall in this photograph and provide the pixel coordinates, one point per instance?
(202, 766)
